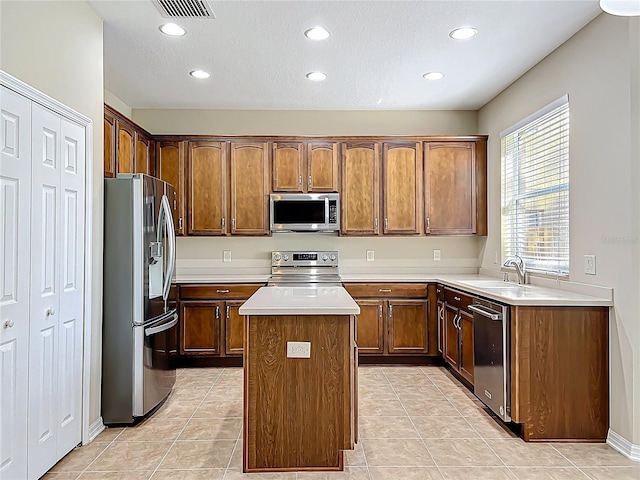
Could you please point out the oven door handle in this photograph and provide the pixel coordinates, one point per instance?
(158, 328)
(492, 314)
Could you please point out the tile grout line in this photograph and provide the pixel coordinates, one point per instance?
(569, 460)
(99, 455)
(187, 423)
(235, 447)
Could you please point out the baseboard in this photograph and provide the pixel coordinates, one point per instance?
(623, 445)
(95, 429)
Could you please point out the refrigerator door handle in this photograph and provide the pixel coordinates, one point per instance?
(162, 327)
(167, 217)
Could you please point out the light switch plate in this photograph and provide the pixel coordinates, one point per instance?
(436, 255)
(298, 349)
(226, 256)
(370, 256)
(590, 264)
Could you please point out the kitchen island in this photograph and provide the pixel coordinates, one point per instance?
(300, 379)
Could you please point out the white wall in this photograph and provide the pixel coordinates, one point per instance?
(594, 67)
(56, 47)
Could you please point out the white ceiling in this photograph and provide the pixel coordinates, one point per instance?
(374, 59)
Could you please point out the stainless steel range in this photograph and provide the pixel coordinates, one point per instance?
(303, 269)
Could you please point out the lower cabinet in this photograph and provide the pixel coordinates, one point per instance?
(393, 318)
(458, 333)
(210, 325)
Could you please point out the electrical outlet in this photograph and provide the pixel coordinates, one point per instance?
(436, 255)
(370, 256)
(590, 264)
(298, 349)
(226, 256)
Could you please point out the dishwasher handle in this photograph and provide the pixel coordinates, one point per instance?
(486, 312)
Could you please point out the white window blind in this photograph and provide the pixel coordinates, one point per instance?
(535, 189)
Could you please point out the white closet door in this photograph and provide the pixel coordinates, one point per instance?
(70, 317)
(15, 199)
(45, 290)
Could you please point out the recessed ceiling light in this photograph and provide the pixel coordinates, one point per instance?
(172, 29)
(433, 76)
(463, 33)
(199, 74)
(316, 76)
(317, 33)
(625, 8)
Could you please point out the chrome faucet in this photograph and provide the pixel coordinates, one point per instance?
(517, 262)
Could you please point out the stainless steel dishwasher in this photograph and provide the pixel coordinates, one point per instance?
(491, 354)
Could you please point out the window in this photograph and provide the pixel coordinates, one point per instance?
(535, 189)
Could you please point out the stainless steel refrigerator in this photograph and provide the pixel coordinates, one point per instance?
(139, 333)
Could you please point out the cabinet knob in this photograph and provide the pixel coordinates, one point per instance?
(8, 324)
(50, 312)
(457, 299)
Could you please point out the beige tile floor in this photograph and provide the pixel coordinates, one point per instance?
(415, 423)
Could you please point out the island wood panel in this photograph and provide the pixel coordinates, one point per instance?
(360, 196)
(234, 328)
(407, 326)
(402, 187)
(200, 332)
(298, 410)
(109, 145)
(125, 148)
(370, 331)
(322, 167)
(144, 155)
(287, 175)
(250, 188)
(170, 159)
(450, 188)
(560, 372)
(207, 204)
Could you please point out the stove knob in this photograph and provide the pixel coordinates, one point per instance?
(324, 257)
(286, 257)
(277, 257)
(333, 257)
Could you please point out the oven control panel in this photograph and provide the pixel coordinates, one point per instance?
(304, 259)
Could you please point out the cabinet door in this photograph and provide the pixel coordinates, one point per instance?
(370, 331)
(466, 345)
(109, 145)
(407, 326)
(451, 351)
(322, 167)
(234, 328)
(441, 327)
(288, 167)
(125, 148)
(249, 188)
(450, 188)
(144, 154)
(200, 328)
(360, 188)
(402, 190)
(207, 203)
(171, 169)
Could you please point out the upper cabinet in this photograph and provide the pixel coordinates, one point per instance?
(455, 189)
(208, 187)
(109, 144)
(170, 159)
(300, 167)
(249, 188)
(402, 188)
(360, 194)
(145, 154)
(125, 148)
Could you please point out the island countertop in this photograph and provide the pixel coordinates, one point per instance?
(300, 301)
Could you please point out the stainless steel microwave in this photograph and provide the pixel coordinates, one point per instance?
(304, 212)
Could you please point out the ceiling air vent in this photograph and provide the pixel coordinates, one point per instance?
(184, 8)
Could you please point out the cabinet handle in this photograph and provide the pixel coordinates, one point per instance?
(175, 204)
(440, 313)
(223, 222)
(50, 312)
(300, 181)
(457, 299)
(375, 224)
(428, 223)
(385, 290)
(233, 224)
(227, 312)
(380, 311)
(390, 311)
(9, 323)
(386, 223)
(180, 223)
(310, 182)
(458, 318)
(217, 312)
(222, 291)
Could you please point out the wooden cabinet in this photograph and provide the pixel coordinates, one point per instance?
(393, 318)
(402, 188)
(440, 313)
(109, 145)
(455, 189)
(360, 188)
(125, 148)
(145, 155)
(322, 167)
(210, 324)
(250, 188)
(208, 187)
(458, 333)
(288, 167)
(300, 167)
(170, 159)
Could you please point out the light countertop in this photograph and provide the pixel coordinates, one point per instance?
(300, 301)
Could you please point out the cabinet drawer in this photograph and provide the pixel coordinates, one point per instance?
(457, 299)
(218, 291)
(440, 292)
(395, 290)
